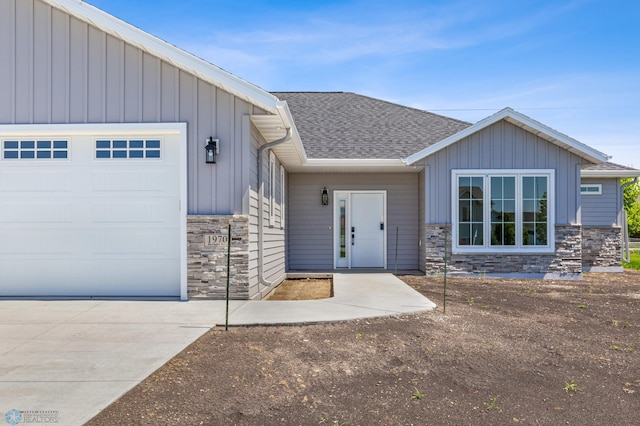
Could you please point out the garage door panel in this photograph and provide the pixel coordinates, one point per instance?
(111, 278)
(136, 211)
(34, 180)
(18, 243)
(123, 182)
(36, 277)
(35, 212)
(123, 243)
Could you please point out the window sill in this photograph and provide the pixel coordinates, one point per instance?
(519, 251)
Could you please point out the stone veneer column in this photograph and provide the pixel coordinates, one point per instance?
(567, 258)
(601, 246)
(207, 238)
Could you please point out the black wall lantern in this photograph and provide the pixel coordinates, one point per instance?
(325, 197)
(212, 148)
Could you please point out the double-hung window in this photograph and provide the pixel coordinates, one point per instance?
(503, 211)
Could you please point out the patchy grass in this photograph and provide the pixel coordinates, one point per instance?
(634, 262)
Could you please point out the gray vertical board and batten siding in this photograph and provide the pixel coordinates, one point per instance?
(502, 146)
(603, 209)
(58, 69)
(422, 253)
(310, 224)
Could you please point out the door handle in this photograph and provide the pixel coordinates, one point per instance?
(353, 235)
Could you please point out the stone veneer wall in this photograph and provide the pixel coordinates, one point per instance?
(566, 260)
(207, 238)
(601, 246)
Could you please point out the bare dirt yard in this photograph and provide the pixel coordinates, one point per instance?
(505, 352)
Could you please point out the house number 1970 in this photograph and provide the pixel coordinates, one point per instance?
(212, 240)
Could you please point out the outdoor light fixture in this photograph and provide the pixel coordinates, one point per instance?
(213, 149)
(325, 197)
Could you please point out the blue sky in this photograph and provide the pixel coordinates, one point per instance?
(573, 65)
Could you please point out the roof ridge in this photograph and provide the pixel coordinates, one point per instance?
(410, 107)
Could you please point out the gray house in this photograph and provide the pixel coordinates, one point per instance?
(124, 161)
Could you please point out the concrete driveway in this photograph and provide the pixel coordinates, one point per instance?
(67, 360)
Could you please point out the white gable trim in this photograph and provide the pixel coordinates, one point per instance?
(524, 122)
(167, 52)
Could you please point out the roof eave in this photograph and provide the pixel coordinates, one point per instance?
(340, 165)
(168, 53)
(609, 173)
(524, 122)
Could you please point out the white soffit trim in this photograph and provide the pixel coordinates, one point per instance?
(609, 173)
(524, 122)
(332, 165)
(167, 52)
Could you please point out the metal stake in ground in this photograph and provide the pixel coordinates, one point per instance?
(226, 322)
(444, 295)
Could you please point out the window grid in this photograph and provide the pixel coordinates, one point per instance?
(128, 149)
(34, 149)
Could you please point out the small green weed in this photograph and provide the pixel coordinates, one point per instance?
(470, 300)
(582, 306)
(571, 387)
(359, 335)
(418, 395)
(493, 403)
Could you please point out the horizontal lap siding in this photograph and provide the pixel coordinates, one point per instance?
(502, 146)
(274, 245)
(59, 70)
(601, 210)
(310, 224)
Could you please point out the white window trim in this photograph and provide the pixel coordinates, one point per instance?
(518, 173)
(272, 189)
(282, 196)
(598, 190)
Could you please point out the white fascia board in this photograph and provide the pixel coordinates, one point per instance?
(531, 125)
(287, 120)
(609, 173)
(167, 52)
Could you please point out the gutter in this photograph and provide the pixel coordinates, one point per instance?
(626, 257)
(261, 280)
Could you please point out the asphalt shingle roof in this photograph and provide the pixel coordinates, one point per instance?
(609, 166)
(343, 125)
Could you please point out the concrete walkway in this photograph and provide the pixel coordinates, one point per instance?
(69, 359)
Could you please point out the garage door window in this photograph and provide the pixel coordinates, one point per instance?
(35, 149)
(128, 149)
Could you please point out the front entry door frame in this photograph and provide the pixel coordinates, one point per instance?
(342, 240)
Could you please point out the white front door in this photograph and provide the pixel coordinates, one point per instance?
(360, 229)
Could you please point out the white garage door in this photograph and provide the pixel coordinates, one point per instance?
(90, 215)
